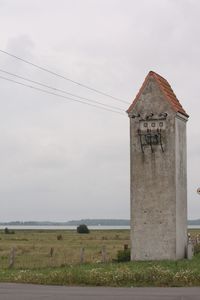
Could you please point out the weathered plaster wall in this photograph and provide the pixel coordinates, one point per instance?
(181, 186)
(157, 213)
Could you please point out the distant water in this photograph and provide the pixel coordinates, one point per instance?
(194, 226)
(61, 227)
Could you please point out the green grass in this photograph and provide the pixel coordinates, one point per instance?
(34, 264)
(165, 273)
(33, 247)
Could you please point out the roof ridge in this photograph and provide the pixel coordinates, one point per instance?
(166, 90)
(156, 74)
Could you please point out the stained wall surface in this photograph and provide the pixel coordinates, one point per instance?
(158, 181)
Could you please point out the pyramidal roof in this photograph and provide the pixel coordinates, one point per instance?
(166, 90)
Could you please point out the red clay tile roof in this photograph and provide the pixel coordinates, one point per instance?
(167, 91)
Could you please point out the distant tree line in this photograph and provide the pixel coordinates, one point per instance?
(88, 222)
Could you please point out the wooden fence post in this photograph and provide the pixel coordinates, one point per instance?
(11, 258)
(82, 255)
(103, 254)
(51, 251)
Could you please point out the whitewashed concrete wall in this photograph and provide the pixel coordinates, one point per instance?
(158, 183)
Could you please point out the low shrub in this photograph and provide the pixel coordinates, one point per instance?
(8, 231)
(82, 229)
(124, 255)
(59, 237)
(196, 249)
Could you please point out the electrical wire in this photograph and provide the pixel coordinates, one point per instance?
(63, 77)
(59, 90)
(57, 95)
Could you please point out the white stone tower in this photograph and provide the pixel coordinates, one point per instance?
(158, 172)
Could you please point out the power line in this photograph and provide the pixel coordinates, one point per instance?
(57, 95)
(63, 77)
(59, 90)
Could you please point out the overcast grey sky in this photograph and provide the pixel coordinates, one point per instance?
(62, 160)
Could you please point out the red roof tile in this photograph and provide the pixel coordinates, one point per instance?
(167, 91)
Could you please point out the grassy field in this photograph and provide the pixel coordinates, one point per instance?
(34, 263)
(33, 247)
